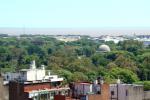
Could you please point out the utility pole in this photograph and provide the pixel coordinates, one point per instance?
(117, 91)
(118, 82)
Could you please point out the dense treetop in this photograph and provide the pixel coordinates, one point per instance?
(79, 60)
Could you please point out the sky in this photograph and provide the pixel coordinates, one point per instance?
(75, 13)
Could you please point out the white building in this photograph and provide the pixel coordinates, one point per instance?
(32, 74)
(115, 39)
(68, 38)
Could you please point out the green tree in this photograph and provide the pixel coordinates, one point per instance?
(79, 77)
(126, 76)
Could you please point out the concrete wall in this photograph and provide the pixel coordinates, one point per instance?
(113, 88)
(4, 94)
(40, 74)
(146, 95)
(32, 75)
(126, 92)
(23, 75)
(37, 74)
(11, 76)
(82, 88)
(135, 92)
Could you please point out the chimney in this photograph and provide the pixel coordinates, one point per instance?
(118, 81)
(95, 82)
(43, 67)
(32, 65)
(49, 73)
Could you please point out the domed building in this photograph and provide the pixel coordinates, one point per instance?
(104, 48)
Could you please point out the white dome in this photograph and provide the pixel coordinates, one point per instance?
(104, 48)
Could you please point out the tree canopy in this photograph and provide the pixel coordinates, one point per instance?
(78, 60)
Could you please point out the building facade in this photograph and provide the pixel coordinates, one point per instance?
(35, 91)
(126, 92)
(34, 84)
(90, 91)
(4, 95)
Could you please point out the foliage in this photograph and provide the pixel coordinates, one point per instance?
(77, 60)
(125, 75)
(145, 83)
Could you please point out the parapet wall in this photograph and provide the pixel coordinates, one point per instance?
(146, 95)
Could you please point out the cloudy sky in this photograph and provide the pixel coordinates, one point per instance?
(75, 13)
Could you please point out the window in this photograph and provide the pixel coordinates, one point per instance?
(112, 93)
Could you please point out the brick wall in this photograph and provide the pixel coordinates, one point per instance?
(16, 91)
(104, 94)
(61, 97)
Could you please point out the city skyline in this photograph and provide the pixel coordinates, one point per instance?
(76, 31)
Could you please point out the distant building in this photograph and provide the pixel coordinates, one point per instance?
(32, 74)
(107, 38)
(143, 38)
(68, 38)
(104, 48)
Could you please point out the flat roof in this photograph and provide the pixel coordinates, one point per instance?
(40, 81)
(48, 90)
(126, 84)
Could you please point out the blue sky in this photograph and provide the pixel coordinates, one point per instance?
(74, 13)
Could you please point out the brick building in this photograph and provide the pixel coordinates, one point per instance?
(34, 84)
(87, 91)
(35, 91)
